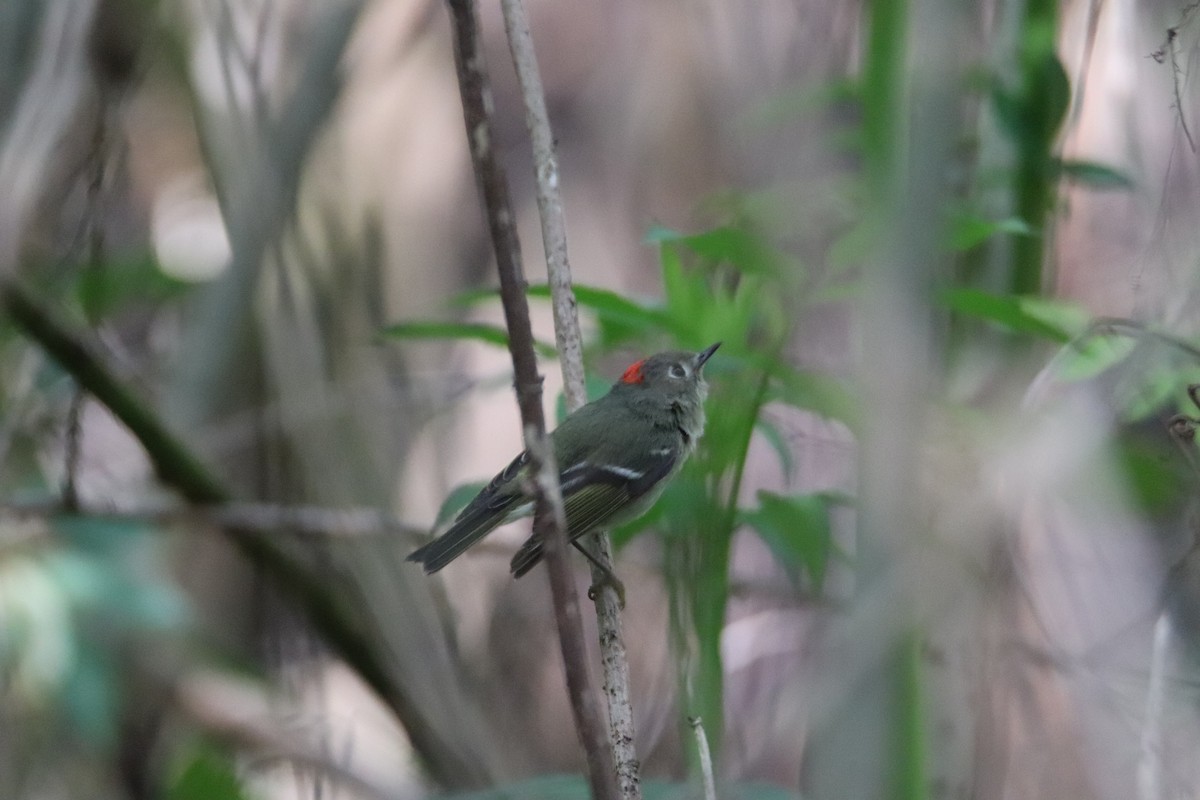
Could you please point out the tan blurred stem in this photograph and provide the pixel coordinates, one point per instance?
(613, 657)
(240, 714)
(706, 767)
(549, 521)
(1149, 770)
(178, 467)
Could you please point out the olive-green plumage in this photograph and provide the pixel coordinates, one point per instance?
(614, 457)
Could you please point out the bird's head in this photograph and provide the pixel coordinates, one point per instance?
(674, 376)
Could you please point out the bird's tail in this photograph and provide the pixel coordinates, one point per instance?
(527, 557)
(451, 544)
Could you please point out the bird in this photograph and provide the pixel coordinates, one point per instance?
(615, 456)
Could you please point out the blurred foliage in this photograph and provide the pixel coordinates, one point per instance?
(86, 608)
(84, 600)
(571, 787)
(119, 286)
(1030, 109)
(206, 773)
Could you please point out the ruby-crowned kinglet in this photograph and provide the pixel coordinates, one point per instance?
(615, 456)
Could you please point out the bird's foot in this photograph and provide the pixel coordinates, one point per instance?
(611, 581)
(606, 579)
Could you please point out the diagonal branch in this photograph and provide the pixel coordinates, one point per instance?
(613, 658)
(175, 464)
(549, 521)
(172, 461)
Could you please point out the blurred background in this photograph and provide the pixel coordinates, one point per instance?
(938, 541)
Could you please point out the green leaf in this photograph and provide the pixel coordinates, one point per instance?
(736, 246)
(1159, 478)
(604, 302)
(970, 230)
(107, 288)
(612, 306)
(1030, 114)
(1094, 175)
(1156, 385)
(822, 394)
(683, 306)
(796, 529)
(1068, 317)
(660, 235)
(208, 775)
(1004, 310)
(1050, 102)
(619, 319)
(1092, 354)
(456, 501)
(474, 331)
(774, 438)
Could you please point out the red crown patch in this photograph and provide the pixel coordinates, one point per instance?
(633, 373)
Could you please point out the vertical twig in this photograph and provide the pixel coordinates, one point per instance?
(549, 521)
(74, 450)
(1149, 770)
(706, 767)
(613, 656)
(550, 207)
(1169, 52)
(1187, 133)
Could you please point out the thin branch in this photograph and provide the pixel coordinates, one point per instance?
(1175, 83)
(1169, 52)
(549, 521)
(614, 659)
(173, 462)
(550, 206)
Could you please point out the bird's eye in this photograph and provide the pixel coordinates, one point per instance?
(677, 371)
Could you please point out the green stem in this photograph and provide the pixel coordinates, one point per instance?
(909, 747)
(711, 595)
(1043, 98)
(882, 89)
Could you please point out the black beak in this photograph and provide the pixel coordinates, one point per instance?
(705, 354)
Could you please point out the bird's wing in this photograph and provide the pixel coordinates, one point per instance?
(486, 511)
(595, 494)
(501, 493)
